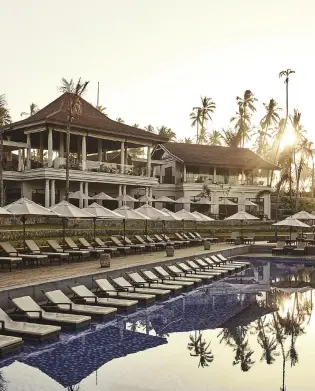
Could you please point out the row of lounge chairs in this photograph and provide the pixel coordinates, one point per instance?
(30, 321)
(235, 236)
(281, 248)
(83, 249)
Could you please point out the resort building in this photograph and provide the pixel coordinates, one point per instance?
(236, 179)
(34, 155)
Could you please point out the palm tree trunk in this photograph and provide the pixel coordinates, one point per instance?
(67, 162)
(1, 170)
(298, 176)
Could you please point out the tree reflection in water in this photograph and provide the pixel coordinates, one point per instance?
(236, 338)
(3, 382)
(199, 347)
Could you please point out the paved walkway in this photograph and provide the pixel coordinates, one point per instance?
(55, 272)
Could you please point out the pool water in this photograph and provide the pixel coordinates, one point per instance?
(253, 333)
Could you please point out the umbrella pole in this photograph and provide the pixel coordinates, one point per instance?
(183, 225)
(94, 221)
(64, 234)
(124, 230)
(164, 223)
(23, 219)
(290, 234)
(146, 229)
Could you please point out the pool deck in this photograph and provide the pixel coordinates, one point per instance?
(92, 267)
(35, 280)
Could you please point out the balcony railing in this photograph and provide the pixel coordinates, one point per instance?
(105, 167)
(226, 180)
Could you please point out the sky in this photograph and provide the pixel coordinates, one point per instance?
(155, 58)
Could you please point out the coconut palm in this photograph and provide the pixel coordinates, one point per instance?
(242, 119)
(5, 119)
(188, 140)
(262, 141)
(278, 137)
(74, 92)
(164, 131)
(286, 74)
(135, 125)
(214, 138)
(102, 109)
(195, 117)
(149, 128)
(303, 153)
(32, 110)
(230, 138)
(200, 348)
(120, 120)
(201, 115)
(272, 117)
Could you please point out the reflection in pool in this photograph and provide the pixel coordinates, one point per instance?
(251, 333)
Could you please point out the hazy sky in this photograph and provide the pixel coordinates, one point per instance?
(154, 58)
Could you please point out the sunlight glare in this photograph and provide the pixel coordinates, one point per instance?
(289, 137)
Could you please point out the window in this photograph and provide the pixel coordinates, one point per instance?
(168, 177)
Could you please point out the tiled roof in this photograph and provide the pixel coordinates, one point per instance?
(55, 113)
(217, 156)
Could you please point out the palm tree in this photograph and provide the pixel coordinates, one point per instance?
(230, 138)
(120, 120)
(5, 119)
(149, 128)
(188, 140)
(135, 125)
(242, 119)
(214, 138)
(262, 141)
(200, 348)
(268, 344)
(102, 109)
(201, 117)
(75, 91)
(286, 74)
(271, 118)
(280, 130)
(164, 131)
(32, 110)
(304, 151)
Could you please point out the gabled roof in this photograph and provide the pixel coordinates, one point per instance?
(91, 119)
(216, 156)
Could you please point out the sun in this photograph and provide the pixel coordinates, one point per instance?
(289, 137)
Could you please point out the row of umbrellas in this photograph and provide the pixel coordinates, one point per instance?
(126, 198)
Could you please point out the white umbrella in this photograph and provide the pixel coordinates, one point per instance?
(226, 201)
(164, 199)
(146, 199)
(303, 216)
(126, 198)
(171, 214)
(78, 195)
(202, 216)
(103, 196)
(68, 211)
(153, 214)
(129, 214)
(241, 216)
(250, 203)
(184, 200)
(291, 222)
(204, 201)
(4, 212)
(98, 211)
(27, 208)
(185, 215)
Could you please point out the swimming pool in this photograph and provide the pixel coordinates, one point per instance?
(233, 335)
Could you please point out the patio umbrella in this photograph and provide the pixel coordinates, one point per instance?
(146, 199)
(171, 216)
(125, 198)
(4, 212)
(98, 211)
(164, 199)
(153, 214)
(27, 208)
(303, 216)
(78, 195)
(129, 214)
(65, 210)
(103, 196)
(184, 200)
(202, 216)
(242, 216)
(226, 201)
(291, 222)
(185, 215)
(250, 203)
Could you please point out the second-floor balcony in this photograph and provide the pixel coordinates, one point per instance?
(232, 180)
